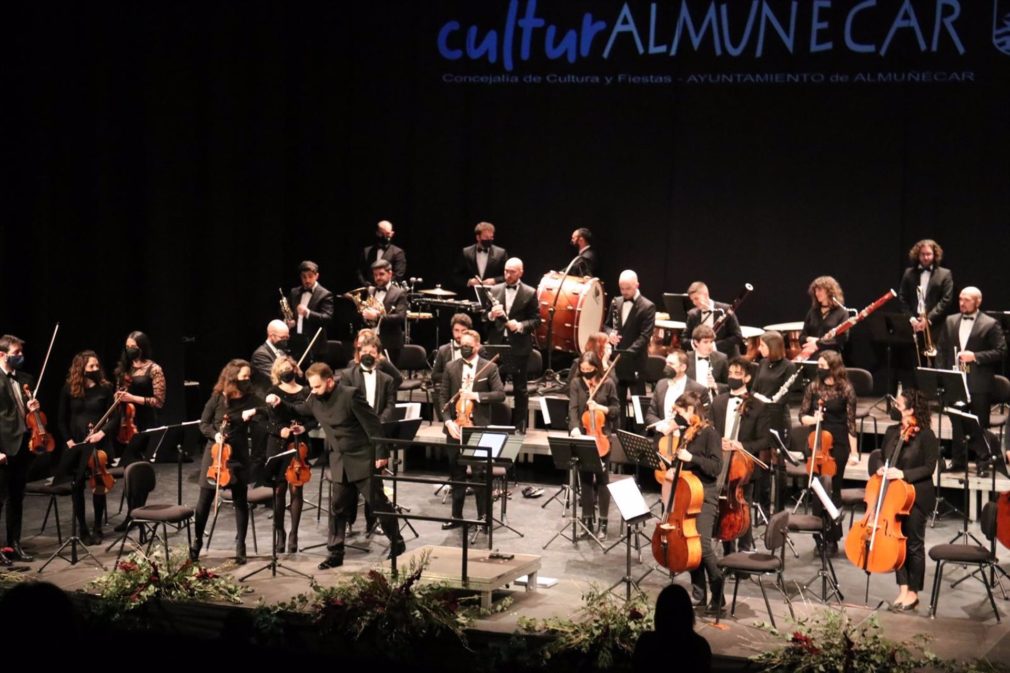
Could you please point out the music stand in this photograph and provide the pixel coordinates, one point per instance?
(575, 454)
(677, 305)
(972, 423)
(642, 452)
(487, 447)
(635, 513)
(405, 429)
(74, 541)
(950, 389)
(889, 330)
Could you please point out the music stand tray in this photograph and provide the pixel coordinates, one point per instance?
(635, 512)
(506, 363)
(677, 305)
(575, 454)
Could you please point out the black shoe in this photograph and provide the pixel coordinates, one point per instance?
(698, 596)
(19, 554)
(97, 537)
(194, 551)
(449, 525)
(331, 562)
(240, 558)
(292, 543)
(717, 606)
(4, 561)
(907, 607)
(396, 549)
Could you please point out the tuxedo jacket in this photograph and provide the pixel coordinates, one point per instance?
(393, 254)
(986, 341)
(488, 386)
(729, 340)
(939, 292)
(320, 315)
(588, 264)
(657, 406)
(391, 326)
(466, 265)
(262, 362)
(717, 361)
(385, 391)
(636, 332)
(753, 433)
(443, 357)
(526, 310)
(12, 422)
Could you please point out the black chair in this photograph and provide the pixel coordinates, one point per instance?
(256, 496)
(758, 565)
(54, 492)
(414, 360)
(862, 384)
(336, 355)
(813, 525)
(654, 366)
(139, 481)
(967, 555)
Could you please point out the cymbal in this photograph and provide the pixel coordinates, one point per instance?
(438, 292)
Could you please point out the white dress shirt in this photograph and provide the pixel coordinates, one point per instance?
(702, 366)
(731, 407)
(481, 262)
(369, 376)
(627, 306)
(924, 277)
(964, 329)
(673, 392)
(306, 296)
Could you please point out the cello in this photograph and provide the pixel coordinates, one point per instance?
(298, 472)
(594, 422)
(734, 512)
(676, 544)
(876, 544)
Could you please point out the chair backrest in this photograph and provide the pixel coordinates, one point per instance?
(1000, 390)
(861, 380)
(336, 355)
(654, 366)
(140, 481)
(535, 364)
(987, 520)
(875, 462)
(413, 357)
(501, 414)
(776, 531)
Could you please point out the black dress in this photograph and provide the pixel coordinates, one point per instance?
(817, 324)
(148, 382)
(840, 420)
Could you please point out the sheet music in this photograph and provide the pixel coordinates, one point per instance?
(545, 411)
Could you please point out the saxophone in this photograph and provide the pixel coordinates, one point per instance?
(368, 303)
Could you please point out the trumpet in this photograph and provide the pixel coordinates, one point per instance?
(929, 349)
(286, 312)
(370, 302)
(960, 366)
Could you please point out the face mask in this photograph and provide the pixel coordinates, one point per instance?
(587, 375)
(244, 386)
(669, 372)
(368, 361)
(466, 352)
(132, 353)
(823, 374)
(325, 395)
(381, 240)
(95, 376)
(282, 345)
(288, 375)
(735, 383)
(15, 361)
(681, 421)
(895, 413)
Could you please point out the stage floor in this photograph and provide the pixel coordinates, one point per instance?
(964, 627)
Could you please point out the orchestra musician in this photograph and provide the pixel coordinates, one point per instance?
(707, 312)
(974, 343)
(514, 317)
(915, 465)
(825, 314)
(926, 287)
(773, 371)
(233, 398)
(483, 391)
(283, 425)
(674, 383)
(383, 248)
(384, 366)
(594, 487)
(832, 387)
(349, 425)
(313, 308)
(599, 343)
(705, 364)
(87, 395)
(14, 453)
(483, 260)
(144, 381)
(702, 456)
(587, 263)
(629, 323)
(267, 353)
(389, 324)
(449, 352)
(752, 433)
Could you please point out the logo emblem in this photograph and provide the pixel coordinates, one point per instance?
(1001, 25)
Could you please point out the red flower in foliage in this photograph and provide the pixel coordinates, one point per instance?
(127, 566)
(805, 642)
(635, 615)
(205, 575)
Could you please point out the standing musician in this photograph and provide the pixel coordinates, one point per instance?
(752, 433)
(825, 314)
(703, 456)
(629, 323)
(14, 453)
(674, 383)
(594, 487)
(449, 352)
(349, 425)
(87, 395)
(588, 263)
(144, 381)
(926, 287)
(382, 249)
(832, 387)
(232, 397)
(514, 317)
(313, 306)
(915, 465)
(774, 370)
(707, 312)
(267, 353)
(705, 364)
(974, 343)
(284, 425)
(477, 381)
(389, 323)
(483, 259)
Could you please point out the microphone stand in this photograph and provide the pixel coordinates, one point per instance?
(549, 373)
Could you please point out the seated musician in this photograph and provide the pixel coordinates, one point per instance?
(594, 486)
(825, 314)
(479, 386)
(384, 365)
(708, 312)
(705, 364)
(449, 352)
(674, 383)
(389, 324)
(599, 343)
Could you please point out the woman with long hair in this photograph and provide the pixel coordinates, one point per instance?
(826, 313)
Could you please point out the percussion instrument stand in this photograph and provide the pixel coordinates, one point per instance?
(73, 541)
(549, 373)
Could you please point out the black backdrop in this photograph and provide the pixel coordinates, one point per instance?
(170, 163)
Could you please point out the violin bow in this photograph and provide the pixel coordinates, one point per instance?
(45, 362)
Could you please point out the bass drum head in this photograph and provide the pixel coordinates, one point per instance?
(591, 310)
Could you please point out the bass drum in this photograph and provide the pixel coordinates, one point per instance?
(581, 306)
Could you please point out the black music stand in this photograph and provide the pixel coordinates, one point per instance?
(949, 389)
(575, 454)
(74, 541)
(487, 447)
(405, 429)
(634, 513)
(677, 305)
(642, 452)
(971, 425)
(890, 330)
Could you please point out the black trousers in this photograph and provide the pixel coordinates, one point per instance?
(345, 494)
(13, 477)
(594, 489)
(457, 472)
(913, 573)
(74, 465)
(840, 452)
(709, 562)
(239, 500)
(520, 377)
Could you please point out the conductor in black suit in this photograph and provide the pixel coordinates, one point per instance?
(708, 312)
(514, 318)
(629, 323)
(263, 358)
(478, 381)
(350, 425)
(587, 264)
(483, 260)
(389, 324)
(383, 248)
(14, 453)
(313, 309)
(974, 342)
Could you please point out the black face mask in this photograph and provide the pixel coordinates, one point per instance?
(466, 352)
(244, 386)
(381, 240)
(669, 372)
(283, 345)
(132, 353)
(587, 375)
(681, 421)
(735, 383)
(325, 395)
(368, 361)
(288, 375)
(823, 374)
(95, 376)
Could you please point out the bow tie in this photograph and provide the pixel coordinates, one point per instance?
(511, 287)
(367, 371)
(926, 268)
(481, 248)
(702, 359)
(306, 291)
(380, 289)
(737, 397)
(967, 317)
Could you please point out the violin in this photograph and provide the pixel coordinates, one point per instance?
(99, 480)
(595, 422)
(734, 512)
(218, 473)
(464, 408)
(41, 441)
(676, 544)
(876, 544)
(820, 442)
(298, 473)
(127, 426)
